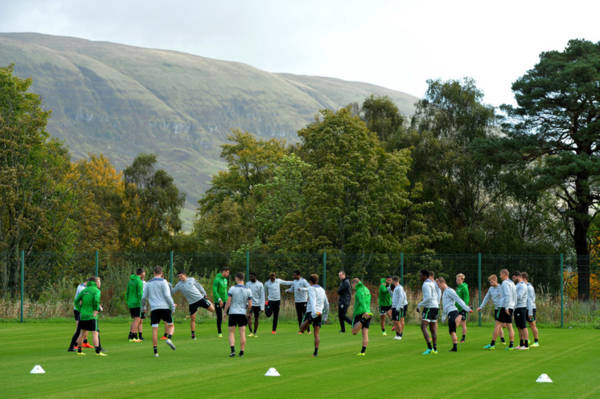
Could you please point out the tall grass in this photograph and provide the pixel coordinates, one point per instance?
(56, 301)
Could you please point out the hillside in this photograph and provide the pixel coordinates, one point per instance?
(122, 100)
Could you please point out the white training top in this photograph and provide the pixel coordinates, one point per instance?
(449, 300)
(258, 293)
(521, 295)
(431, 298)
(399, 299)
(317, 301)
(495, 294)
(300, 289)
(273, 288)
(509, 294)
(158, 294)
(530, 299)
(80, 288)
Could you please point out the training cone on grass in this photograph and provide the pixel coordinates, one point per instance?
(543, 378)
(272, 373)
(37, 369)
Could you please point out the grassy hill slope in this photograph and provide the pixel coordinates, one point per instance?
(122, 100)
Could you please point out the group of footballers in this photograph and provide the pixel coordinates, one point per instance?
(243, 303)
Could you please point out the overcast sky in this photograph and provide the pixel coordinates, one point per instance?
(397, 44)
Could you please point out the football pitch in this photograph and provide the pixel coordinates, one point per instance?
(571, 357)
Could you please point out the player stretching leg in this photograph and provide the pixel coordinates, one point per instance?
(239, 303)
(362, 313)
(399, 307)
(157, 296)
(430, 308)
(450, 299)
(317, 310)
(258, 303)
(531, 310)
(195, 295)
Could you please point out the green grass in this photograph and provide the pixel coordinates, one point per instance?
(202, 368)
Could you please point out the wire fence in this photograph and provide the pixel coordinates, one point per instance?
(42, 284)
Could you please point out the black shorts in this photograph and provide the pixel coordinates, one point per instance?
(452, 321)
(76, 314)
(430, 315)
(384, 309)
(496, 314)
(134, 312)
(399, 314)
(88, 325)
(315, 321)
(464, 314)
(160, 314)
(256, 311)
(531, 319)
(521, 317)
(503, 317)
(365, 322)
(143, 315)
(202, 303)
(237, 320)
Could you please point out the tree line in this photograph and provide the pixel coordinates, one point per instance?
(458, 176)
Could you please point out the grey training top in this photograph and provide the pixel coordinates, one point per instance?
(495, 294)
(258, 293)
(158, 294)
(449, 300)
(191, 290)
(273, 288)
(399, 298)
(239, 299)
(530, 299)
(509, 294)
(430, 295)
(300, 289)
(521, 295)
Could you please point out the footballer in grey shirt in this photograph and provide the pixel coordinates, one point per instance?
(239, 303)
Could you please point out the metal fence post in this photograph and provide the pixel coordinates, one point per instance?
(247, 264)
(22, 281)
(171, 267)
(479, 285)
(562, 292)
(324, 270)
(96, 263)
(402, 268)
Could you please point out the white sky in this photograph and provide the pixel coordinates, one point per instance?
(397, 44)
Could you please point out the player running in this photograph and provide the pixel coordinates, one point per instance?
(195, 295)
(450, 299)
(345, 297)
(157, 296)
(220, 296)
(239, 303)
(316, 311)
(399, 307)
(300, 289)
(273, 289)
(384, 299)
(429, 307)
(531, 310)
(133, 296)
(258, 302)
(521, 311)
(362, 313)
(495, 294)
(87, 303)
(462, 290)
(73, 345)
